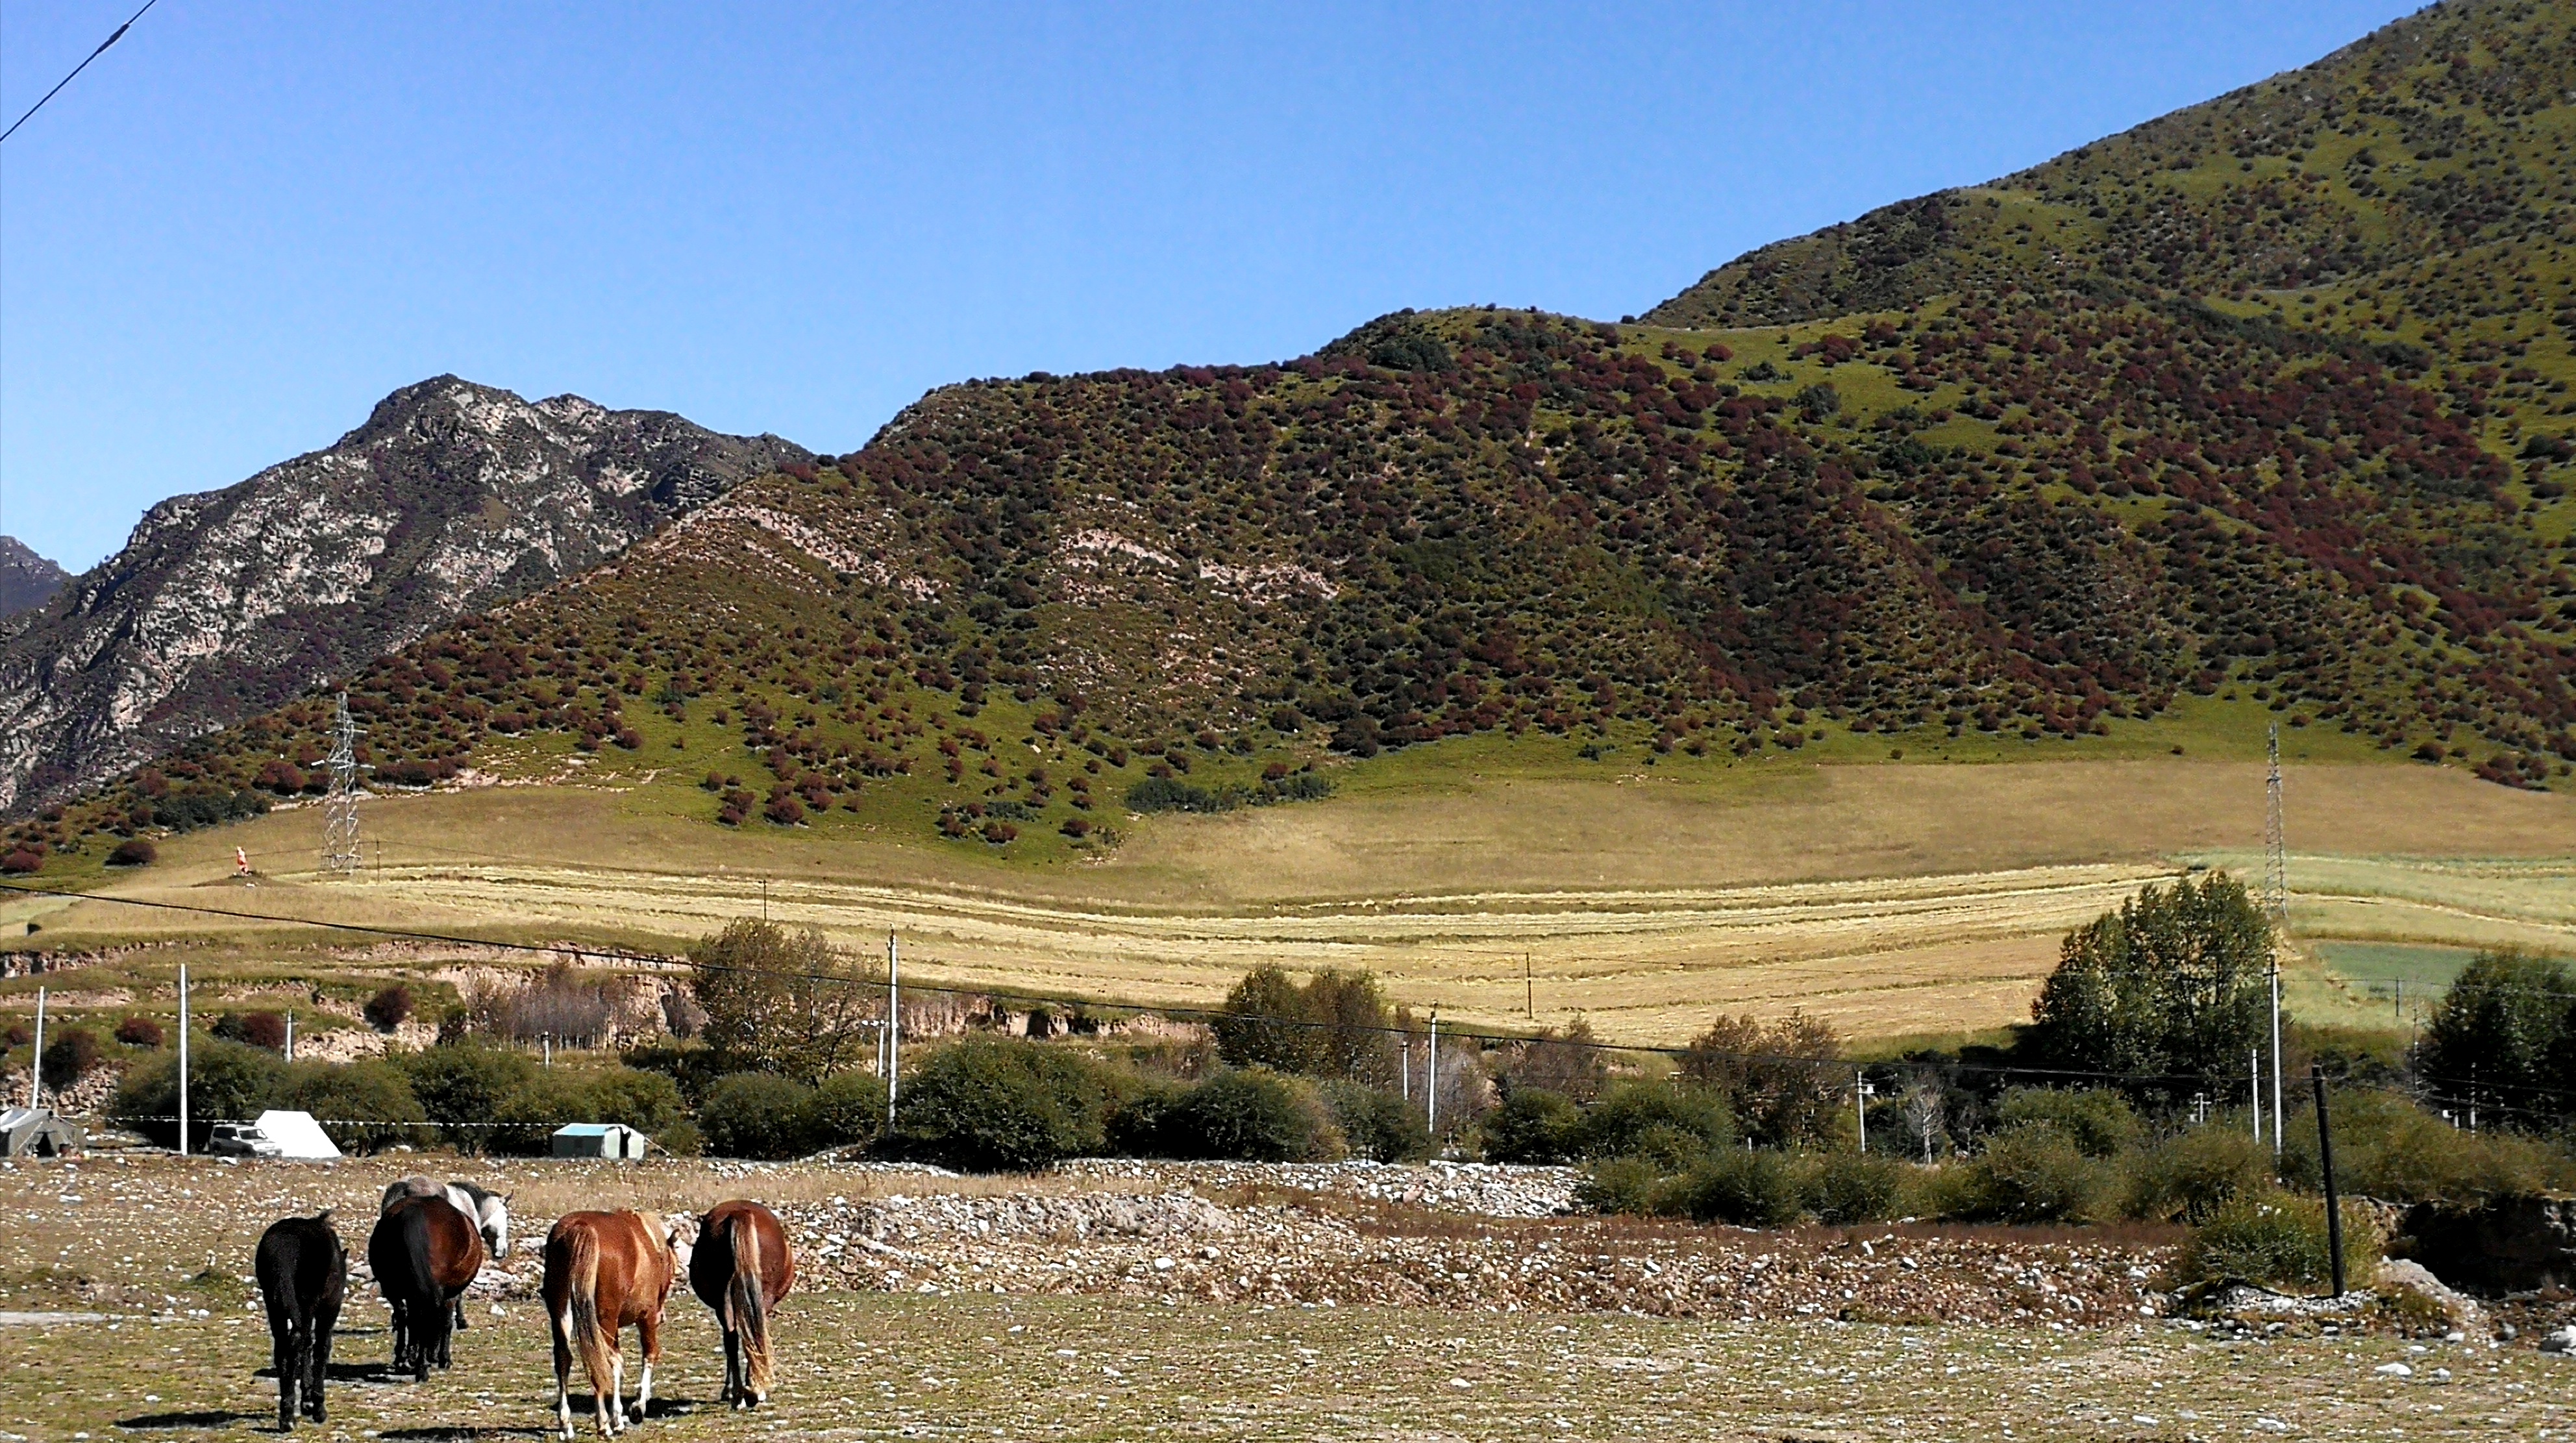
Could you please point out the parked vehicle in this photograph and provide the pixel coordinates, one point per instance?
(241, 1139)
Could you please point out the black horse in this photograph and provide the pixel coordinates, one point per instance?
(303, 1274)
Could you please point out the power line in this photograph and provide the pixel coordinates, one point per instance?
(76, 70)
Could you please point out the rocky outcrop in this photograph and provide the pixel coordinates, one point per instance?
(451, 499)
(2503, 1245)
(27, 580)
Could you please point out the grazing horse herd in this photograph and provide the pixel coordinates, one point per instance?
(604, 1272)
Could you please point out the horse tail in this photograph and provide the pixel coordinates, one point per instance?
(745, 1301)
(581, 1306)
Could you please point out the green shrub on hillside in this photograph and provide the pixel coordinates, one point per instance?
(1256, 1116)
(756, 1115)
(1141, 1122)
(227, 1081)
(849, 1108)
(1623, 1185)
(994, 1104)
(2192, 1175)
(464, 1087)
(2031, 1174)
(69, 1055)
(2277, 1240)
(1376, 1123)
(366, 1106)
(2098, 1121)
(1850, 1187)
(1532, 1125)
(1749, 1187)
(2387, 1147)
(1670, 1124)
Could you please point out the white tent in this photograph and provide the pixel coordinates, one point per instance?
(297, 1134)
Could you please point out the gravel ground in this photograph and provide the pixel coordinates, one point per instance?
(1332, 1302)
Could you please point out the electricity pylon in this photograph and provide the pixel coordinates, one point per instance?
(340, 806)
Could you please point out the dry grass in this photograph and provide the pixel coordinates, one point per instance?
(858, 1364)
(1887, 899)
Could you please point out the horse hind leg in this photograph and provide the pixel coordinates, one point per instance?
(286, 1359)
(648, 1341)
(563, 1373)
(324, 1321)
(735, 1390)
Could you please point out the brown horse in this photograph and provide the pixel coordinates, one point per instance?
(425, 1253)
(741, 1268)
(604, 1271)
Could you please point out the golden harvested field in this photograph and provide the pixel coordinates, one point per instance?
(1890, 899)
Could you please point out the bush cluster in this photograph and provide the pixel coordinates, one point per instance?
(762, 1115)
(2277, 1240)
(997, 1103)
(2057, 1156)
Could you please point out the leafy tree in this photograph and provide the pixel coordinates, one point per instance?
(1264, 1023)
(369, 1104)
(756, 1115)
(2504, 1034)
(1783, 1082)
(991, 1104)
(1568, 1062)
(227, 1082)
(463, 1087)
(69, 1054)
(1351, 1037)
(2171, 985)
(784, 1002)
(1337, 1024)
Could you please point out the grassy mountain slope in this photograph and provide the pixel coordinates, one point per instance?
(2031, 463)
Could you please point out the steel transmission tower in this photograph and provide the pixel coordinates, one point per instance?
(2276, 857)
(340, 807)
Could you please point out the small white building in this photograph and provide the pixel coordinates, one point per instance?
(614, 1140)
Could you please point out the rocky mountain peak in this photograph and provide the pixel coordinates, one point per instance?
(450, 499)
(27, 580)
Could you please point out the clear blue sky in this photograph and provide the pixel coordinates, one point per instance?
(250, 220)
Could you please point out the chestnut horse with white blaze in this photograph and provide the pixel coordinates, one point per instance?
(741, 1268)
(605, 1270)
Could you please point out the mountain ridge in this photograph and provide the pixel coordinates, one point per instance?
(27, 580)
(2051, 497)
(449, 498)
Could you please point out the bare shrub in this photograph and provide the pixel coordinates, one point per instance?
(568, 1003)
